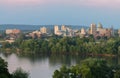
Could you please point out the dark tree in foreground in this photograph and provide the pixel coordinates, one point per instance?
(89, 68)
(19, 73)
(3, 69)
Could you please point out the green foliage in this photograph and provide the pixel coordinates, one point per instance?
(89, 68)
(19, 73)
(66, 45)
(6, 45)
(95, 68)
(117, 74)
(3, 69)
(116, 70)
(65, 72)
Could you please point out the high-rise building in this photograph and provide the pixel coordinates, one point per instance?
(63, 28)
(56, 29)
(43, 30)
(93, 29)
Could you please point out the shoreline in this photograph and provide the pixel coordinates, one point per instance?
(18, 51)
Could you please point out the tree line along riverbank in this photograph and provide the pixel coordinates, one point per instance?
(64, 45)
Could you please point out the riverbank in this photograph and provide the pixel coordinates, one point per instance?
(104, 55)
(21, 53)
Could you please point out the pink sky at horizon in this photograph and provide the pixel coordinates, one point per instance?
(92, 3)
(19, 2)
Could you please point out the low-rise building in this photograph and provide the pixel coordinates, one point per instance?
(16, 31)
(13, 31)
(12, 34)
(104, 32)
(35, 34)
(8, 31)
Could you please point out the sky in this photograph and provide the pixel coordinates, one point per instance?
(67, 12)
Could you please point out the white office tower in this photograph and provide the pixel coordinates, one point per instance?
(56, 29)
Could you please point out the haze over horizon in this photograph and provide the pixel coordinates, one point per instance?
(70, 12)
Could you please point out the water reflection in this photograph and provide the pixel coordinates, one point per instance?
(72, 60)
(34, 58)
(43, 66)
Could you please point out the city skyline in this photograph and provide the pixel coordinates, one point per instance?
(68, 12)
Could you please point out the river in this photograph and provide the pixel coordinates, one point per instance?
(43, 66)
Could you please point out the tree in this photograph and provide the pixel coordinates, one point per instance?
(89, 68)
(3, 69)
(19, 73)
(97, 68)
(116, 70)
(117, 74)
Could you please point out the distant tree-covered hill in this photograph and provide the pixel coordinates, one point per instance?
(33, 27)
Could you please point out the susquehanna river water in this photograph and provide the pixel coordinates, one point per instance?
(43, 66)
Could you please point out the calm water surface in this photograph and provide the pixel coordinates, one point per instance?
(44, 66)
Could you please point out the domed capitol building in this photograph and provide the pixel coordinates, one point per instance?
(100, 31)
